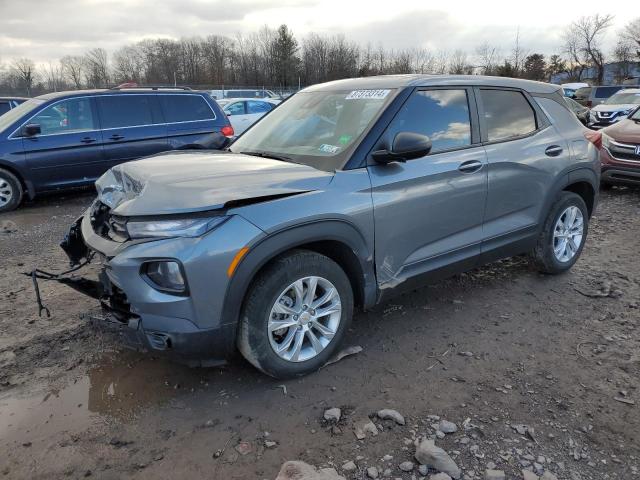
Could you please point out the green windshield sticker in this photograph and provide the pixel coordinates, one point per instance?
(344, 139)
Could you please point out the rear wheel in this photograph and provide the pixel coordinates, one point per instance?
(563, 235)
(295, 314)
(10, 191)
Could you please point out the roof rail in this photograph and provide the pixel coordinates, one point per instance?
(125, 86)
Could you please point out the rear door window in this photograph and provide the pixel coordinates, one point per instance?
(120, 111)
(185, 108)
(67, 116)
(606, 92)
(255, 106)
(236, 108)
(442, 115)
(507, 114)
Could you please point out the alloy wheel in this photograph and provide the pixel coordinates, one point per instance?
(568, 234)
(304, 319)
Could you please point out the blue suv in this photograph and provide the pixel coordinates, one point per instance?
(69, 139)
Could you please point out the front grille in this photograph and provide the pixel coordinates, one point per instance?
(111, 227)
(624, 151)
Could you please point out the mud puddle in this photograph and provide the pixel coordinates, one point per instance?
(118, 388)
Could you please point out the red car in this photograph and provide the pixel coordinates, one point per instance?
(620, 152)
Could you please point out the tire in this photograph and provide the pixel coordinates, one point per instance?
(272, 289)
(11, 191)
(544, 256)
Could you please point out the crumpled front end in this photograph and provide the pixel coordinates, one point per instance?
(188, 324)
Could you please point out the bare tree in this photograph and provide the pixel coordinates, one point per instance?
(54, 77)
(632, 34)
(488, 57)
(97, 68)
(459, 64)
(73, 68)
(129, 64)
(584, 37)
(518, 55)
(623, 55)
(25, 71)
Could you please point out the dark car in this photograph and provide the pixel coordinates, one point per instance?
(620, 152)
(592, 96)
(582, 113)
(68, 139)
(9, 103)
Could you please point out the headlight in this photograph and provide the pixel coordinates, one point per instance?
(175, 227)
(606, 140)
(165, 275)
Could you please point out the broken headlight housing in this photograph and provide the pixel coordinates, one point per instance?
(173, 227)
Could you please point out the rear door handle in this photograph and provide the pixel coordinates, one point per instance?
(116, 137)
(553, 151)
(88, 140)
(470, 166)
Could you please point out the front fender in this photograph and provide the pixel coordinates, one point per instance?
(281, 241)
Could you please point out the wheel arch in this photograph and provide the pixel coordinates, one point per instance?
(337, 239)
(584, 182)
(27, 186)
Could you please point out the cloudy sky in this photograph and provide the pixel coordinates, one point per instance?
(49, 29)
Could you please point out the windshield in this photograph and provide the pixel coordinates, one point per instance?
(636, 115)
(320, 129)
(14, 115)
(623, 98)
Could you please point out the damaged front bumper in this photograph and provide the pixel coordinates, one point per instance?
(186, 327)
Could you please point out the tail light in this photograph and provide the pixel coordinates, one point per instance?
(594, 137)
(227, 131)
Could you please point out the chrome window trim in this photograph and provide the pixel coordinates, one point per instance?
(11, 137)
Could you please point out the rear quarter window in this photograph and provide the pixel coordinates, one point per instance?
(583, 92)
(185, 108)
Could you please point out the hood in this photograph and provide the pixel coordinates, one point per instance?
(180, 182)
(614, 108)
(625, 131)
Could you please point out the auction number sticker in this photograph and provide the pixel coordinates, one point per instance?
(326, 148)
(368, 94)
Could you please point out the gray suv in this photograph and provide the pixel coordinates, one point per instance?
(345, 194)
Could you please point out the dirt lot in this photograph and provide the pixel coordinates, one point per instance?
(538, 367)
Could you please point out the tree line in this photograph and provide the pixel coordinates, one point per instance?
(275, 58)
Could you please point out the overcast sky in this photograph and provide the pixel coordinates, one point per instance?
(46, 30)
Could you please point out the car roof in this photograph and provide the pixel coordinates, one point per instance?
(631, 90)
(14, 98)
(122, 91)
(240, 99)
(401, 81)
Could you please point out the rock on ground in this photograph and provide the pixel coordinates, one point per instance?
(494, 475)
(394, 415)
(406, 466)
(332, 415)
(427, 453)
(440, 476)
(529, 475)
(349, 466)
(372, 472)
(296, 470)
(447, 427)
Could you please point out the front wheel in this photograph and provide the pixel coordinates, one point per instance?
(563, 234)
(295, 314)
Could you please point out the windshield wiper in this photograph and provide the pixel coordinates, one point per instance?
(263, 154)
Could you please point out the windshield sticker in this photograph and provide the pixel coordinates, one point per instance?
(326, 148)
(344, 139)
(367, 94)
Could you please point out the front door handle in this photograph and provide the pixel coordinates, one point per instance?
(88, 140)
(116, 137)
(470, 166)
(553, 151)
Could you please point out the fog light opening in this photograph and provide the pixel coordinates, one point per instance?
(165, 275)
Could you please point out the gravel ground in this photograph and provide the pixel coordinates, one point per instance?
(536, 372)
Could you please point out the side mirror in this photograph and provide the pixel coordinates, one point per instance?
(31, 130)
(406, 146)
